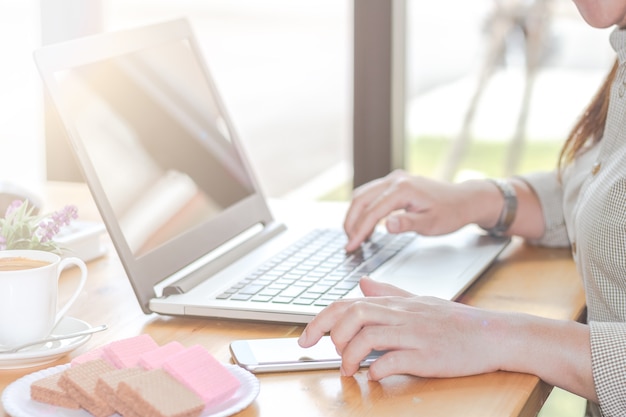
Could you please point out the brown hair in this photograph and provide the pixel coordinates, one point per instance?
(590, 127)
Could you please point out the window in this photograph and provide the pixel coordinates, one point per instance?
(452, 137)
(283, 68)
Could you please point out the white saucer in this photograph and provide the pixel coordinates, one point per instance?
(45, 353)
(17, 402)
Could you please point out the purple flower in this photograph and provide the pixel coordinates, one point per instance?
(16, 204)
(48, 228)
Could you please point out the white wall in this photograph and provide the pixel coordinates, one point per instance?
(21, 137)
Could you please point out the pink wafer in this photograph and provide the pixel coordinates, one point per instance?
(154, 359)
(125, 353)
(88, 356)
(197, 369)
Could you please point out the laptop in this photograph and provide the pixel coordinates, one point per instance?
(184, 209)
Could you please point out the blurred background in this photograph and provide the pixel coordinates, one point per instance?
(489, 88)
(284, 68)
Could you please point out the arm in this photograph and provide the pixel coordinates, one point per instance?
(431, 207)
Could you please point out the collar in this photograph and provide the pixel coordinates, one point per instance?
(618, 42)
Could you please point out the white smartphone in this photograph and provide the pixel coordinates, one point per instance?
(284, 354)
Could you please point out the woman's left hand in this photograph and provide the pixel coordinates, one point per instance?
(423, 336)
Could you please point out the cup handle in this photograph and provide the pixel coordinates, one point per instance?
(83, 279)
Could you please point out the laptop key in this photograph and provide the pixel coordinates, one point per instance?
(260, 298)
(271, 292)
(346, 285)
(292, 291)
(323, 303)
(224, 296)
(282, 300)
(251, 289)
(303, 301)
(319, 289)
(241, 297)
(310, 295)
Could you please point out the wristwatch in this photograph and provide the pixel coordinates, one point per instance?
(509, 210)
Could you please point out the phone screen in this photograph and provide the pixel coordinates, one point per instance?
(284, 354)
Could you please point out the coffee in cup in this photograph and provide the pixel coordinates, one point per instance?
(29, 286)
(19, 263)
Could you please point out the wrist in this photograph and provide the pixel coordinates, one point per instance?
(483, 203)
(557, 351)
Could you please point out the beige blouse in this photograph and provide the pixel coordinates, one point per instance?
(587, 211)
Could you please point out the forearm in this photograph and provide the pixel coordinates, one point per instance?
(556, 351)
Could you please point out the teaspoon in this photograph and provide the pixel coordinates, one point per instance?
(55, 338)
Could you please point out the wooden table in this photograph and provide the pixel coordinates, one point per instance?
(525, 278)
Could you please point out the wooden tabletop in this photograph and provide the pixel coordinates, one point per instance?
(525, 278)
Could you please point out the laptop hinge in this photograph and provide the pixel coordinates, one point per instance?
(229, 252)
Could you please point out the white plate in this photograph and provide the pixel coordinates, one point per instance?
(17, 402)
(45, 353)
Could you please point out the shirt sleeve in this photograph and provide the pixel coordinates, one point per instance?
(608, 361)
(549, 191)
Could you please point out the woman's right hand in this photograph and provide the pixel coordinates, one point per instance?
(413, 203)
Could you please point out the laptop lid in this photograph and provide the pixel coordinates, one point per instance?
(157, 149)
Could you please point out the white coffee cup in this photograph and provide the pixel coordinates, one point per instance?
(28, 297)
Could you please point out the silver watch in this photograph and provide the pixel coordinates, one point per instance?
(509, 210)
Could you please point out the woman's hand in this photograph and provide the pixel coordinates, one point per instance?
(430, 337)
(419, 204)
(424, 336)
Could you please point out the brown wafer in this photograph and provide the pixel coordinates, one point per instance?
(106, 388)
(155, 393)
(47, 390)
(80, 383)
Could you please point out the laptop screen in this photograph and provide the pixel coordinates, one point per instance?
(157, 139)
(155, 145)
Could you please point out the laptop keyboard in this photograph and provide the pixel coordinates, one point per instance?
(316, 270)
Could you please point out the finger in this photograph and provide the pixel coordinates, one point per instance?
(323, 322)
(358, 225)
(343, 313)
(418, 363)
(397, 362)
(425, 222)
(392, 336)
(372, 288)
(409, 221)
(361, 198)
(359, 317)
(363, 195)
(384, 204)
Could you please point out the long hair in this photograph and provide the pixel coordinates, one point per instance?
(590, 127)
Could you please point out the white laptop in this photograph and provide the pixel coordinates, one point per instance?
(183, 208)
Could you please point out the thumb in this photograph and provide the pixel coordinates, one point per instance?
(404, 222)
(424, 223)
(371, 288)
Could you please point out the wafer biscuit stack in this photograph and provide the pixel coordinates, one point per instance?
(136, 377)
